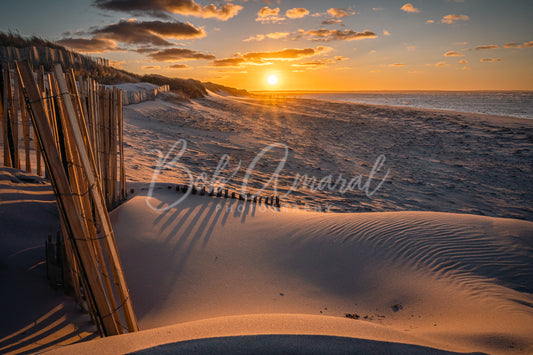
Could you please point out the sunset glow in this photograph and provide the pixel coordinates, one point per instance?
(335, 45)
(272, 79)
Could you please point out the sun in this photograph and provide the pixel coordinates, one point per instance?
(272, 79)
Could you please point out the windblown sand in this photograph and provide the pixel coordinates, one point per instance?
(426, 269)
(437, 161)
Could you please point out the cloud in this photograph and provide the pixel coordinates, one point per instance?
(162, 8)
(314, 64)
(273, 35)
(490, 60)
(150, 67)
(442, 64)
(490, 46)
(340, 58)
(116, 63)
(89, 45)
(377, 9)
(229, 62)
(340, 13)
(397, 65)
(268, 15)
(277, 35)
(179, 66)
(453, 54)
(262, 58)
(386, 33)
(430, 21)
(325, 35)
(463, 61)
(174, 54)
(148, 32)
(297, 12)
(409, 8)
(258, 38)
(332, 21)
(449, 19)
(528, 44)
(512, 45)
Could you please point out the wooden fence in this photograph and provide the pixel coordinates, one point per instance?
(78, 128)
(102, 109)
(47, 56)
(137, 96)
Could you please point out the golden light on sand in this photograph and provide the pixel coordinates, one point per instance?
(272, 79)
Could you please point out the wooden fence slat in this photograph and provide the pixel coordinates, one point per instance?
(96, 193)
(4, 117)
(80, 189)
(121, 148)
(10, 120)
(25, 124)
(66, 203)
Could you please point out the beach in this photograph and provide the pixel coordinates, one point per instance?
(431, 160)
(430, 245)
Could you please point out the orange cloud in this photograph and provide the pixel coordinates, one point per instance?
(162, 8)
(174, 54)
(449, 19)
(490, 60)
(314, 64)
(332, 21)
(325, 35)
(463, 61)
(490, 46)
(258, 38)
(441, 64)
(340, 58)
(150, 67)
(453, 54)
(297, 12)
(179, 66)
(528, 44)
(397, 65)
(273, 35)
(268, 15)
(148, 32)
(409, 8)
(512, 45)
(262, 58)
(340, 13)
(89, 45)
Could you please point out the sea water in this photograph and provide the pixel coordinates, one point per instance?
(501, 103)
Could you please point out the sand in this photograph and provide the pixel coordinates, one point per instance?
(436, 161)
(423, 271)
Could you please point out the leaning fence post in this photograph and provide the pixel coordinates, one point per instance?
(67, 206)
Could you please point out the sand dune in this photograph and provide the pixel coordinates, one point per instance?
(454, 282)
(405, 277)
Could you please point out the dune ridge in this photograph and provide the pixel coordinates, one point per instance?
(423, 274)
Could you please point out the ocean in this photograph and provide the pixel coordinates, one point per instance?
(501, 103)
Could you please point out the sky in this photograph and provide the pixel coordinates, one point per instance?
(306, 45)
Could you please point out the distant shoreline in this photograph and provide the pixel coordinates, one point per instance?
(514, 104)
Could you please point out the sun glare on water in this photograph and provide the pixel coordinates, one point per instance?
(272, 80)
